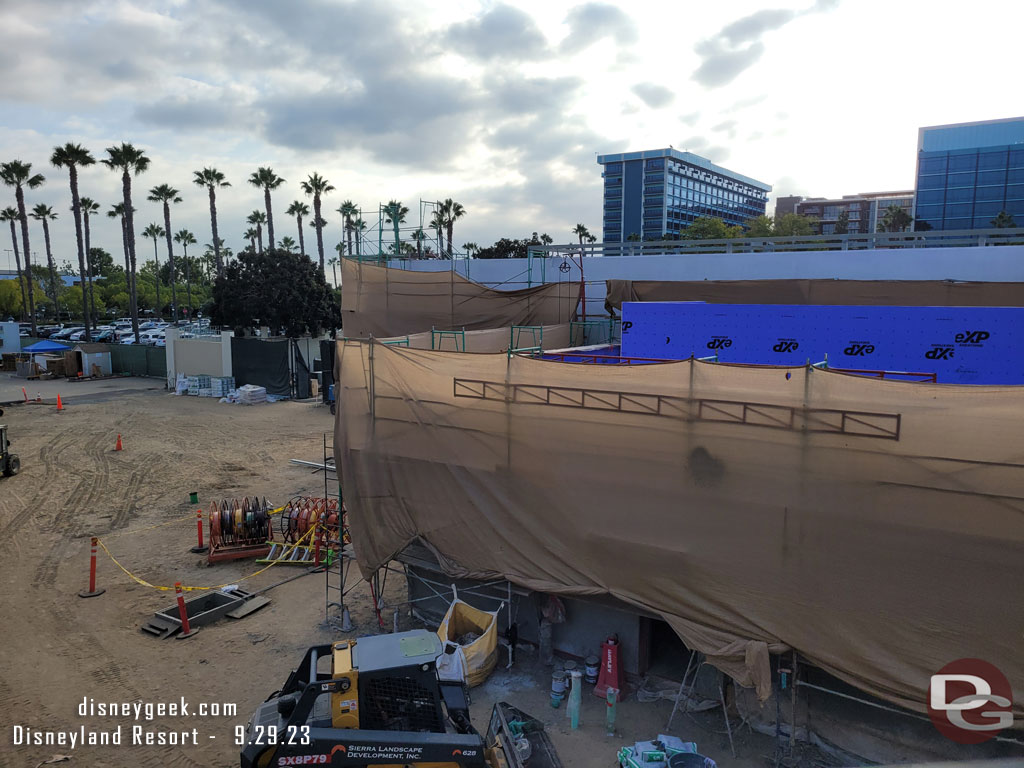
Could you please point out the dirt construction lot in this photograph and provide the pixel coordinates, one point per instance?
(59, 651)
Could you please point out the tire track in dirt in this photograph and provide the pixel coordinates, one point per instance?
(48, 456)
(128, 502)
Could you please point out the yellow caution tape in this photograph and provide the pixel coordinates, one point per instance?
(184, 588)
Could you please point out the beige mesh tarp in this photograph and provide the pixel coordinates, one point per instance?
(491, 340)
(875, 526)
(381, 302)
(907, 293)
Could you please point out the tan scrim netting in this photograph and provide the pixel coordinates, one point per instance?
(491, 340)
(907, 293)
(875, 526)
(382, 302)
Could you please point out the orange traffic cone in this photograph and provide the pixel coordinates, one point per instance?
(60, 405)
(118, 446)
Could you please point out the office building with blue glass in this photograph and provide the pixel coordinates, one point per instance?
(967, 173)
(652, 195)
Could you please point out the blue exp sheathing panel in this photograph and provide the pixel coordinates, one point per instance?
(961, 345)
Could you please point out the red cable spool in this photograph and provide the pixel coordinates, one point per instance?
(214, 524)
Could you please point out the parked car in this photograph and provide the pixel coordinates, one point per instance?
(148, 325)
(150, 337)
(77, 335)
(46, 331)
(105, 336)
(124, 336)
(65, 333)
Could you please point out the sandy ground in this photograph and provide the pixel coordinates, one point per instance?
(58, 649)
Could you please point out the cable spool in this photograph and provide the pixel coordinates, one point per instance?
(215, 522)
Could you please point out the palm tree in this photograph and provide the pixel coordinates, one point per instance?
(211, 178)
(88, 206)
(349, 211)
(46, 214)
(11, 215)
(19, 175)
(582, 232)
(117, 211)
(896, 219)
(419, 236)
(166, 194)
(1003, 220)
(437, 224)
(155, 231)
(317, 186)
(453, 211)
(333, 261)
(184, 238)
(267, 180)
(129, 161)
(298, 209)
(73, 156)
(359, 226)
(287, 244)
(470, 249)
(258, 219)
(394, 214)
(250, 235)
(545, 239)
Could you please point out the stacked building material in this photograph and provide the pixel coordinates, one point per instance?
(250, 394)
(220, 386)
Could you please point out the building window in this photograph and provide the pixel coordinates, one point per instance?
(831, 212)
(963, 162)
(933, 165)
(960, 180)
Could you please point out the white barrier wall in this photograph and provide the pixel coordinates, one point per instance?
(983, 263)
(210, 355)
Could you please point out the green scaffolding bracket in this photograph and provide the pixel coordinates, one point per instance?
(602, 325)
(515, 334)
(397, 342)
(437, 339)
(531, 351)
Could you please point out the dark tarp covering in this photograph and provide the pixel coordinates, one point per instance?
(261, 362)
(301, 372)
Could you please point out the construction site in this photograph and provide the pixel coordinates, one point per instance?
(558, 520)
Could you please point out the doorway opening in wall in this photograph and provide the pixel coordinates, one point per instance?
(662, 653)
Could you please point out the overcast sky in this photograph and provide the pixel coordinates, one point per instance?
(500, 105)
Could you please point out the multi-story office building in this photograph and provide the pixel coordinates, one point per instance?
(864, 211)
(968, 172)
(654, 194)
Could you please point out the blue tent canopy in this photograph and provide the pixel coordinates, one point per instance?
(46, 346)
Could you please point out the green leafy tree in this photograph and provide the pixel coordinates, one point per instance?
(349, 212)
(102, 262)
(213, 180)
(452, 212)
(794, 225)
(760, 226)
(1003, 220)
(131, 161)
(19, 175)
(843, 223)
(184, 238)
(155, 231)
(285, 291)
(317, 186)
(45, 214)
(10, 215)
(299, 209)
(710, 228)
(895, 219)
(12, 302)
(258, 219)
(266, 179)
(394, 214)
(634, 237)
(72, 157)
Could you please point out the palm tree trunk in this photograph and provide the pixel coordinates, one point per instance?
(76, 208)
(127, 261)
(419, 245)
(319, 230)
(129, 231)
(188, 280)
(270, 219)
(52, 267)
(348, 231)
(259, 236)
(17, 263)
(88, 264)
(451, 225)
(20, 197)
(213, 226)
(302, 240)
(156, 257)
(398, 250)
(170, 259)
(334, 269)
